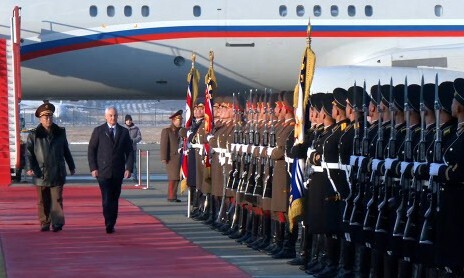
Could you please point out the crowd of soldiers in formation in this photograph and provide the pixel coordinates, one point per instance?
(384, 178)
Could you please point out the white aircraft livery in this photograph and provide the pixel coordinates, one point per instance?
(142, 49)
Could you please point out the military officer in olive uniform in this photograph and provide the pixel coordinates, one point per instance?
(169, 154)
(47, 150)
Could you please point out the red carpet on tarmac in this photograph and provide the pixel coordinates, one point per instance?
(141, 246)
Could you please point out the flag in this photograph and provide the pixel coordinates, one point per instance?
(300, 100)
(211, 85)
(192, 91)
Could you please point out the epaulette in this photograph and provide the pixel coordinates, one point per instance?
(403, 129)
(343, 126)
(336, 128)
(447, 130)
(417, 129)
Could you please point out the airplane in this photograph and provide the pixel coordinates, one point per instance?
(142, 50)
(64, 111)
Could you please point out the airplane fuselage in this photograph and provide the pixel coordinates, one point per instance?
(139, 49)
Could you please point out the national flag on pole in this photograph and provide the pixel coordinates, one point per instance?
(300, 100)
(192, 92)
(211, 85)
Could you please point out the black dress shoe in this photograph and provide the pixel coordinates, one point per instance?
(57, 228)
(110, 230)
(45, 228)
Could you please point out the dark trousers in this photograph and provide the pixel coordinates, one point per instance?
(110, 191)
(50, 205)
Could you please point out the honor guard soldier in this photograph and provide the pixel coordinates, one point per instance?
(450, 223)
(281, 180)
(217, 179)
(197, 141)
(434, 235)
(318, 181)
(224, 141)
(300, 152)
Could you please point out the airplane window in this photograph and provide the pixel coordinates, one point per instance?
(368, 10)
(283, 10)
(300, 11)
(145, 11)
(351, 10)
(128, 11)
(196, 11)
(110, 11)
(317, 10)
(438, 10)
(334, 10)
(93, 11)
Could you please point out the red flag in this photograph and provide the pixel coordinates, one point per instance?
(210, 80)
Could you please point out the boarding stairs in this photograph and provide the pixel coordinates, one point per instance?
(10, 95)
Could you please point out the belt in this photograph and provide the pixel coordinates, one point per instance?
(317, 169)
(197, 146)
(219, 150)
(345, 167)
(288, 159)
(329, 165)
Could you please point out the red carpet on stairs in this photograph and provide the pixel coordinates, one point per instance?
(141, 246)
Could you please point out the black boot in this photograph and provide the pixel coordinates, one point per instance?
(206, 208)
(259, 234)
(333, 244)
(272, 244)
(227, 221)
(235, 220)
(254, 229)
(266, 240)
(390, 266)
(249, 226)
(362, 262)
(288, 250)
(241, 230)
(376, 264)
(212, 211)
(347, 259)
(317, 260)
(404, 269)
(305, 248)
(279, 240)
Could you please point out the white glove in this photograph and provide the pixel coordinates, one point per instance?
(417, 164)
(253, 149)
(232, 147)
(261, 148)
(244, 148)
(435, 168)
(269, 151)
(222, 160)
(403, 166)
(389, 162)
(209, 137)
(375, 164)
(189, 133)
(201, 151)
(353, 159)
(179, 150)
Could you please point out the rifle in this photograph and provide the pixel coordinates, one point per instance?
(401, 218)
(356, 152)
(357, 214)
(259, 180)
(254, 140)
(234, 171)
(427, 235)
(411, 231)
(245, 156)
(376, 183)
(238, 139)
(382, 218)
(272, 144)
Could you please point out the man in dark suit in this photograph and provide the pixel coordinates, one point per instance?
(110, 160)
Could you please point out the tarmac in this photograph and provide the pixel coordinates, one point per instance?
(152, 200)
